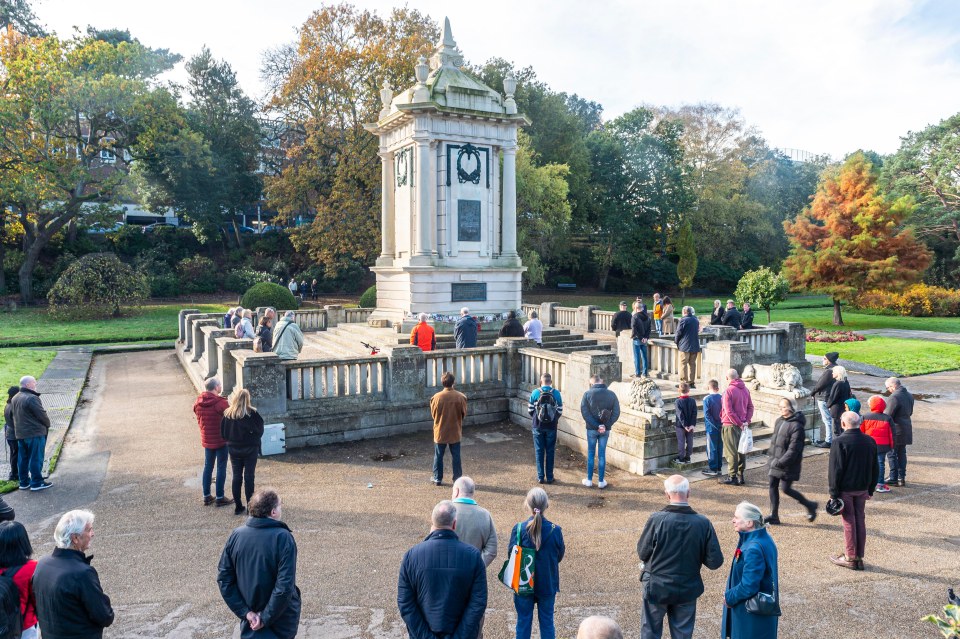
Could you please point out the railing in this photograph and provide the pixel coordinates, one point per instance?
(765, 342)
(534, 362)
(664, 357)
(601, 321)
(309, 320)
(528, 308)
(470, 366)
(356, 315)
(564, 316)
(319, 379)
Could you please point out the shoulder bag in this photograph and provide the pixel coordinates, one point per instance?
(765, 604)
(517, 571)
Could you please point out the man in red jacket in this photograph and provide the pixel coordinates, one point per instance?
(736, 412)
(209, 409)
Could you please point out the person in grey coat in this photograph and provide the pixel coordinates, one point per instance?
(600, 409)
(287, 338)
(474, 524)
(900, 409)
(31, 424)
(466, 330)
(258, 572)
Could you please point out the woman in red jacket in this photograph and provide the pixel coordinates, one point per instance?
(880, 427)
(15, 562)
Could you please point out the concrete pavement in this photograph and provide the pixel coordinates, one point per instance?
(133, 456)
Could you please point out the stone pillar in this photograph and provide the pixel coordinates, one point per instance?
(546, 312)
(424, 187)
(793, 346)
(182, 318)
(720, 356)
(513, 366)
(406, 373)
(211, 348)
(387, 220)
(335, 315)
(585, 318)
(226, 362)
(509, 206)
(581, 366)
(264, 375)
(198, 337)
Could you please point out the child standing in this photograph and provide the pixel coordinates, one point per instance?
(880, 427)
(686, 420)
(711, 421)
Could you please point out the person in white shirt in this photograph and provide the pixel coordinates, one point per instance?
(533, 329)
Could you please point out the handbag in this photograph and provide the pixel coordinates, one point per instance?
(258, 344)
(746, 441)
(517, 571)
(765, 604)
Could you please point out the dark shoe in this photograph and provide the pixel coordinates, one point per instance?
(902, 483)
(549, 481)
(207, 500)
(436, 482)
(859, 564)
(742, 480)
(678, 460)
(42, 486)
(239, 510)
(710, 473)
(730, 481)
(22, 487)
(224, 501)
(822, 444)
(844, 562)
(541, 481)
(693, 386)
(771, 520)
(812, 512)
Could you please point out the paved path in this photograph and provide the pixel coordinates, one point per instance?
(931, 336)
(133, 457)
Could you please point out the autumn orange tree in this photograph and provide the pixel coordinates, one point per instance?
(851, 238)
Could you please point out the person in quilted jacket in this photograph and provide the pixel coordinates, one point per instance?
(879, 426)
(209, 409)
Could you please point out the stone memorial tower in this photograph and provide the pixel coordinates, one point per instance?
(448, 147)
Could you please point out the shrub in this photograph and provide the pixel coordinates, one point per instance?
(198, 274)
(762, 288)
(164, 284)
(369, 298)
(918, 300)
(268, 294)
(241, 279)
(817, 335)
(97, 285)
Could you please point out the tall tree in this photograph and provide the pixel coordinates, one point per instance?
(852, 239)
(687, 264)
(18, 15)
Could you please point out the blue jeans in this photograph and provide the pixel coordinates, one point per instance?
(827, 420)
(209, 456)
(596, 444)
(881, 457)
(640, 353)
(30, 461)
(438, 461)
(524, 607)
(714, 448)
(659, 324)
(896, 458)
(544, 446)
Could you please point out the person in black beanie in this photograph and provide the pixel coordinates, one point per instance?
(622, 320)
(822, 389)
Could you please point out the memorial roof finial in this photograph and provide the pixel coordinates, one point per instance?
(446, 54)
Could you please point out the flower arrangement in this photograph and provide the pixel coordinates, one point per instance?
(818, 335)
(438, 318)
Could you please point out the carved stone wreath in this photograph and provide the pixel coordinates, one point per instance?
(471, 152)
(403, 168)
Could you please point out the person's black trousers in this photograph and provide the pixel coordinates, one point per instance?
(787, 490)
(244, 467)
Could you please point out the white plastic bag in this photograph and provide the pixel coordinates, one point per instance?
(746, 441)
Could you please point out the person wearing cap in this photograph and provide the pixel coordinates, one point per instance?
(820, 392)
(853, 476)
(621, 320)
(879, 426)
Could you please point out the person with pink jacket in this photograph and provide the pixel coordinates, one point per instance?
(736, 412)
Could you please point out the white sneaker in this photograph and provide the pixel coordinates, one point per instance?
(602, 485)
(587, 483)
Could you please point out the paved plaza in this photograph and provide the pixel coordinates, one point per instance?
(133, 457)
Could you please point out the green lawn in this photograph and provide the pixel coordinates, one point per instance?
(904, 356)
(854, 321)
(17, 362)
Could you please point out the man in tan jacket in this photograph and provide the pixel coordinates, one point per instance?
(448, 408)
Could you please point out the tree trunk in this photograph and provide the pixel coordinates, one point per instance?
(768, 314)
(837, 316)
(236, 232)
(683, 298)
(25, 275)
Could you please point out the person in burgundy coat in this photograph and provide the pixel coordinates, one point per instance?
(209, 409)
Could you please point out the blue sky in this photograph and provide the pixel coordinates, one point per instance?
(823, 76)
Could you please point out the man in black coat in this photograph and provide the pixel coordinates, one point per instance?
(511, 327)
(731, 316)
(621, 320)
(258, 571)
(70, 601)
(30, 425)
(466, 329)
(854, 471)
(823, 388)
(900, 410)
(746, 320)
(687, 337)
(442, 590)
(674, 544)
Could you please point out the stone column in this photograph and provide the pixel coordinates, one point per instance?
(198, 337)
(406, 373)
(264, 375)
(387, 220)
(509, 209)
(211, 350)
(720, 356)
(546, 313)
(584, 318)
(226, 363)
(335, 315)
(182, 337)
(513, 372)
(793, 346)
(424, 186)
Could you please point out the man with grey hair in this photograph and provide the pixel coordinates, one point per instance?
(423, 335)
(474, 524)
(900, 409)
(442, 589)
(852, 477)
(209, 408)
(675, 543)
(287, 338)
(687, 338)
(30, 425)
(466, 330)
(598, 627)
(70, 601)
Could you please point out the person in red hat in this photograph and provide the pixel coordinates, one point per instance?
(880, 427)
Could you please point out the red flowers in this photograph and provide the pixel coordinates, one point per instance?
(737, 554)
(817, 335)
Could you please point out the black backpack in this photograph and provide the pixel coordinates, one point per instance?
(546, 408)
(11, 616)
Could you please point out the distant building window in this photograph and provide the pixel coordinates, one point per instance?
(107, 156)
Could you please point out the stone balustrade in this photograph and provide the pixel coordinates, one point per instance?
(564, 316)
(534, 362)
(469, 366)
(601, 321)
(324, 378)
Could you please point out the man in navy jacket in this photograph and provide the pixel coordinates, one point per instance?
(687, 338)
(442, 591)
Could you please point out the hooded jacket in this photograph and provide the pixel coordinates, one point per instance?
(736, 408)
(878, 425)
(209, 409)
(786, 447)
(640, 325)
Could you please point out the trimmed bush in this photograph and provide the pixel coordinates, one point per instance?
(369, 298)
(268, 294)
(97, 285)
(164, 285)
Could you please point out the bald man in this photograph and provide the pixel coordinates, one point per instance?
(597, 627)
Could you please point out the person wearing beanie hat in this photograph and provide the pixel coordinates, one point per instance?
(853, 404)
(821, 392)
(880, 427)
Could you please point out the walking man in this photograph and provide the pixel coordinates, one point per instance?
(545, 408)
(821, 392)
(736, 412)
(31, 424)
(423, 335)
(442, 588)
(900, 409)
(711, 422)
(209, 409)
(448, 408)
(675, 543)
(466, 330)
(600, 409)
(687, 339)
(853, 476)
(258, 571)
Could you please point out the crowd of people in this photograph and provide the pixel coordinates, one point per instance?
(270, 336)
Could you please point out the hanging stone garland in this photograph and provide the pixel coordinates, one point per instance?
(403, 167)
(471, 152)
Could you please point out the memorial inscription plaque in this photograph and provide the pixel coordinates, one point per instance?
(469, 292)
(468, 220)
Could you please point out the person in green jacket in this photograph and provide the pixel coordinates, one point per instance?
(287, 338)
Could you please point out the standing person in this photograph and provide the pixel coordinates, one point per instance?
(736, 412)
(31, 424)
(712, 404)
(237, 317)
(292, 285)
(823, 387)
(676, 542)
(640, 325)
(209, 409)
(786, 458)
(746, 319)
(900, 410)
(257, 573)
(303, 290)
(853, 476)
(474, 524)
(511, 327)
(754, 570)
(658, 313)
(839, 394)
(228, 318)
(600, 409)
(287, 338)
(246, 323)
(545, 407)
(242, 429)
(66, 588)
(547, 539)
(666, 316)
(442, 587)
(466, 330)
(731, 317)
(423, 335)
(716, 317)
(448, 409)
(533, 328)
(687, 339)
(684, 422)
(264, 333)
(621, 320)
(314, 289)
(16, 564)
(879, 426)
(10, 434)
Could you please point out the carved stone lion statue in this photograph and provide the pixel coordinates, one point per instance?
(642, 395)
(778, 379)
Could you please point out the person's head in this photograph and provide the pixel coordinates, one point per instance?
(677, 488)
(636, 306)
(713, 386)
(546, 379)
(746, 306)
(28, 382)
(270, 313)
(732, 375)
(265, 503)
(13, 390)
(534, 315)
(839, 373)
(892, 384)
(213, 385)
(877, 404)
(853, 404)
(247, 313)
(850, 420)
(464, 311)
(444, 516)
(595, 379)
(231, 310)
(422, 317)
(686, 310)
(788, 406)
(464, 487)
(240, 404)
(289, 315)
(597, 627)
(74, 530)
(623, 306)
(511, 315)
(730, 304)
(537, 503)
(831, 358)
(266, 320)
(666, 300)
(447, 379)
(717, 303)
(15, 547)
(747, 517)
(656, 297)
(684, 388)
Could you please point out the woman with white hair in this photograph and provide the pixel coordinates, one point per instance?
(839, 394)
(752, 596)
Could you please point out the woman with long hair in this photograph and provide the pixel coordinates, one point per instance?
(666, 316)
(753, 571)
(547, 539)
(242, 428)
(15, 563)
(265, 333)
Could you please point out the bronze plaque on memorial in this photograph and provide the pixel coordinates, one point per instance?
(468, 220)
(469, 292)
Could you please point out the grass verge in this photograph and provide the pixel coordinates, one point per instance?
(904, 356)
(7, 486)
(17, 362)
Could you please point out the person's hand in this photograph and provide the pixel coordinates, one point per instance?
(602, 429)
(254, 620)
(643, 341)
